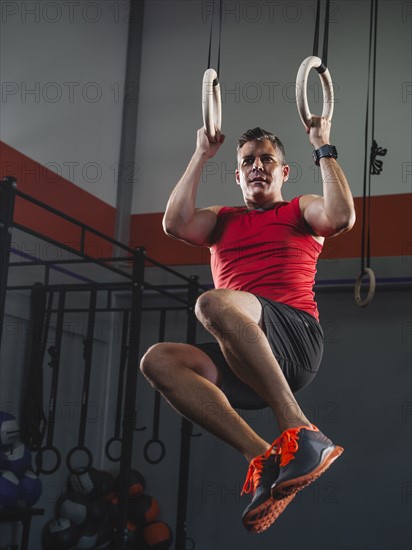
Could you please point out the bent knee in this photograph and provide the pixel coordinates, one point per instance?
(209, 304)
(156, 359)
(165, 362)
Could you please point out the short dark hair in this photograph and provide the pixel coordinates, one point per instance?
(258, 134)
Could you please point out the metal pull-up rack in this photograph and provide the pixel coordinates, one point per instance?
(129, 271)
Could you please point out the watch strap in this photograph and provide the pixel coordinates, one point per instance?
(324, 151)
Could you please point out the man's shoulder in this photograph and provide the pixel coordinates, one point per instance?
(304, 200)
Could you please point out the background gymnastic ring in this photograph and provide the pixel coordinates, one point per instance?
(307, 64)
(83, 469)
(39, 460)
(191, 541)
(372, 285)
(162, 451)
(107, 447)
(211, 103)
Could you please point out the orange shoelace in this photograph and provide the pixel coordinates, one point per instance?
(285, 446)
(288, 444)
(255, 470)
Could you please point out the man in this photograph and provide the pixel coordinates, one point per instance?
(262, 313)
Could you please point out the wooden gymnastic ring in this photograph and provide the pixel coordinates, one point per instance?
(211, 104)
(309, 63)
(372, 285)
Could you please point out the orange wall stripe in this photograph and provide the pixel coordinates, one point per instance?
(391, 229)
(47, 186)
(391, 234)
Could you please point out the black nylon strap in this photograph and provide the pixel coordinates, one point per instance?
(220, 37)
(316, 38)
(365, 167)
(325, 36)
(366, 204)
(210, 37)
(219, 40)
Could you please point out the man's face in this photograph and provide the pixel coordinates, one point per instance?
(260, 173)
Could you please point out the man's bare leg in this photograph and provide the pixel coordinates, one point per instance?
(188, 379)
(234, 319)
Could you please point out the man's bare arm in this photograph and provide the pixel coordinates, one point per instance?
(182, 219)
(333, 213)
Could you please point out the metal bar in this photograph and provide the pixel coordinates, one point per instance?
(85, 260)
(124, 350)
(69, 249)
(88, 359)
(186, 431)
(78, 287)
(129, 407)
(74, 221)
(386, 283)
(127, 166)
(7, 196)
(379, 280)
(164, 292)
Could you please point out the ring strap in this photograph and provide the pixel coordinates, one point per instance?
(325, 35)
(368, 169)
(210, 38)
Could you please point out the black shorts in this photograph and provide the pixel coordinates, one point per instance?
(296, 339)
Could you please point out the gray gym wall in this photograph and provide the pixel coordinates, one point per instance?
(361, 397)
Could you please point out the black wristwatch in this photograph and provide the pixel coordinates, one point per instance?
(324, 151)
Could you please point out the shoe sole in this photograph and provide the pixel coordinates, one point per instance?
(261, 518)
(291, 487)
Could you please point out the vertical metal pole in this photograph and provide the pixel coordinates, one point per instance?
(129, 408)
(127, 172)
(186, 430)
(7, 195)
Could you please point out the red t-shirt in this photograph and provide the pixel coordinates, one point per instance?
(269, 253)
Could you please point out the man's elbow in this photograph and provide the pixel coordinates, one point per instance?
(168, 227)
(172, 228)
(345, 224)
(350, 220)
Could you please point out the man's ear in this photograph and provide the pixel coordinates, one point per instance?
(237, 176)
(285, 172)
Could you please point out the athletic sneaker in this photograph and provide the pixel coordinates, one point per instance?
(305, 454)
(293, 461)
(262, 511)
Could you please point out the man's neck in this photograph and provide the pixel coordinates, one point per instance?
(265, 206)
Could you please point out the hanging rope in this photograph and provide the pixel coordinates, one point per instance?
(373, 166)
(211, 98)
(315, 62)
